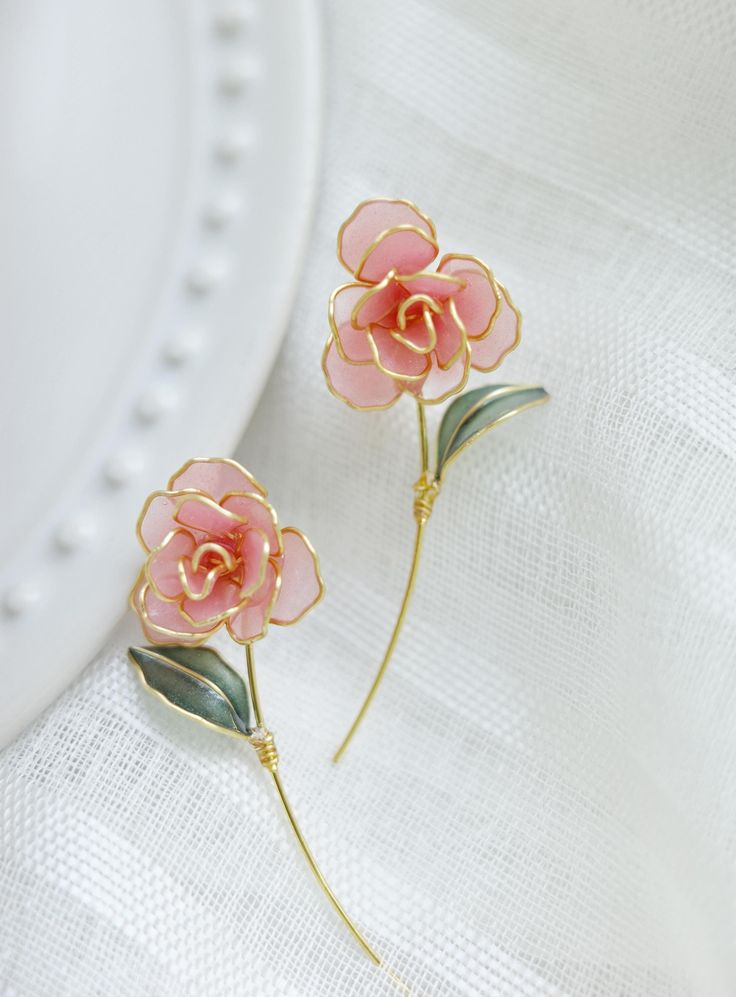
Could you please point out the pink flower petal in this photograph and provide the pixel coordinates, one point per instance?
(157, 518)
(487, 353)
(251, 620)
(199, 512)
(161, 621)
(352, 345)
(254, 552)
(400, 249)
(439, 286)
(377, 303)
(257, 514)
(224, 597)
(162, 567)
(450, 340)
(396, 359)
(301, 583)
(477, 303)
(361, 386)
(216, 476)
(441, 384)
(369, 220)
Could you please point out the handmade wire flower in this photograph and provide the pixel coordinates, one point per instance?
(400, 328)
(215, 555)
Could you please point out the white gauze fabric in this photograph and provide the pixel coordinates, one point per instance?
(543, 798)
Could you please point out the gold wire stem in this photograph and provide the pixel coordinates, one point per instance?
(423, 440)
(389, 650)
(269, 759)
(426, 491)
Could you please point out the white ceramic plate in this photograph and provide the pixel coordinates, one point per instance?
(156, 181)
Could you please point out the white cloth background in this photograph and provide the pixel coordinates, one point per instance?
(543, 800)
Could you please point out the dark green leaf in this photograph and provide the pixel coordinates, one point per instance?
(197, 681)
(477, 411)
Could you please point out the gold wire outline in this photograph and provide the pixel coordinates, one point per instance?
(378, 200)
(147, 564)
(491, 280)
(433, 275)
(460, 326)
(180, 709)
(208, 584)
(215, 460)
(161, 493)
(421, 350)
(420, 298)
(497, 422)
(137, 600)
(492, 394)
(177, 666)
(268, 608)
(210, 547)
(391, 373)
(215, 572)
(269, 509)
(386, 234)
(335, 332)
(517, 340)
(318, 573)
(217, 620)
(200, 498)
(343, 398)
(218, 570)
(373, 290)
(306, 851)
(451, 391)
(248, 591)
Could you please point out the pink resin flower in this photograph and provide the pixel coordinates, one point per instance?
(216, 555)
(400, 327)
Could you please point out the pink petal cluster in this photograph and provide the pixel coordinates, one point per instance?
(401, 327)
(216, 555)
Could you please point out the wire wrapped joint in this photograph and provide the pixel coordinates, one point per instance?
(426, 490)
(266, 750)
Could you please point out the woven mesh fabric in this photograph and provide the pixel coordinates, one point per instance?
(543, 799)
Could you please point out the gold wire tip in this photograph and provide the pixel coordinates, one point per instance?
(467, 418)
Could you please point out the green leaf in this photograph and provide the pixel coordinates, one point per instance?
(197, 681)
(475, 412)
